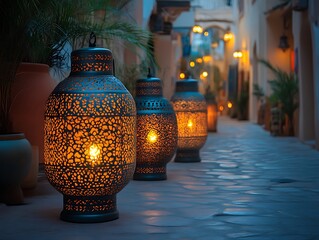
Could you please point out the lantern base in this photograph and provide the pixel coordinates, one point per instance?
(212, 130)
(187, 156)
(150, 173)
(79, 209)
(150, 177)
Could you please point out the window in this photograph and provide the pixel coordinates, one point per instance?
(241, 7)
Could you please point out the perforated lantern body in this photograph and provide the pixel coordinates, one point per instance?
(90, 124)
(191, 113)
(156, 131)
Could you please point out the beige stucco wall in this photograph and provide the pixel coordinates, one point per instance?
(303, 49)
(314, 22)
(165, 54)
(258, 35)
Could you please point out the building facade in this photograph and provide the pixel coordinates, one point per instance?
(261, 25)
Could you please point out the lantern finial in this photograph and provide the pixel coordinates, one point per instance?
(149, 75)
(92, 38)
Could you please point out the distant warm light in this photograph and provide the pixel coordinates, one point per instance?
(229, 105)
(205, 74)
(206, 34)
(152, 136)
(189, 123)
(221, 108)
(197, 29)
(199, 60)
(182, 76)
(238, 54)
(94, 152)
(228, 36)
(214, 45)
(292, 61)
(207, 58)
(192, 64)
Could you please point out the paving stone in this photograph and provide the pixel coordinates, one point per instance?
(239, 235)
(237, 212)
(167, 221)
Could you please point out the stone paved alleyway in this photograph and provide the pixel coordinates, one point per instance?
(249, 185)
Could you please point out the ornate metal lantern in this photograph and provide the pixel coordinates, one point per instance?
(191, 113)
(156, 130)
(90, 123)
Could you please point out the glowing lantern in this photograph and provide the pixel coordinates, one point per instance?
(182, 75)
(156, 130)
(191, 113)
(199, 60)
(90, 123)
(192, 64)
(207, 58)
(212, 114)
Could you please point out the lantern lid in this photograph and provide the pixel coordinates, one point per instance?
(188, 85)
(92, 61)
(150, 86)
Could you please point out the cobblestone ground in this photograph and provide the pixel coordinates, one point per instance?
(249, 185)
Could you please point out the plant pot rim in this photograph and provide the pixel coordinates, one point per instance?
(32, 67)
(11, 136)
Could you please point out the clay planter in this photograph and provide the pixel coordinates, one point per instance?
(15, 161)
(30, 91)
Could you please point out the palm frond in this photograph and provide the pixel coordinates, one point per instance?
(284, 87)
(258, 91)
(14, 17)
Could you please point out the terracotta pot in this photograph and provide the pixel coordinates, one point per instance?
(31, 89)
(15, 161)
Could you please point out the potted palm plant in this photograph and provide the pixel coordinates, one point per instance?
(15, 150)
(55, 26)
(259, 93)
(285, 93)
(40, 33)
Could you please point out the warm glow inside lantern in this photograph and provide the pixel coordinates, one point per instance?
(156, 141)
(90, 123)
(191, 113)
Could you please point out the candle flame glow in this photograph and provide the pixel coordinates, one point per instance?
(189, 123)
(94, 152)
(152, 136)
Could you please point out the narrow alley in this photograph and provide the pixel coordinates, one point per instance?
(249, 185)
